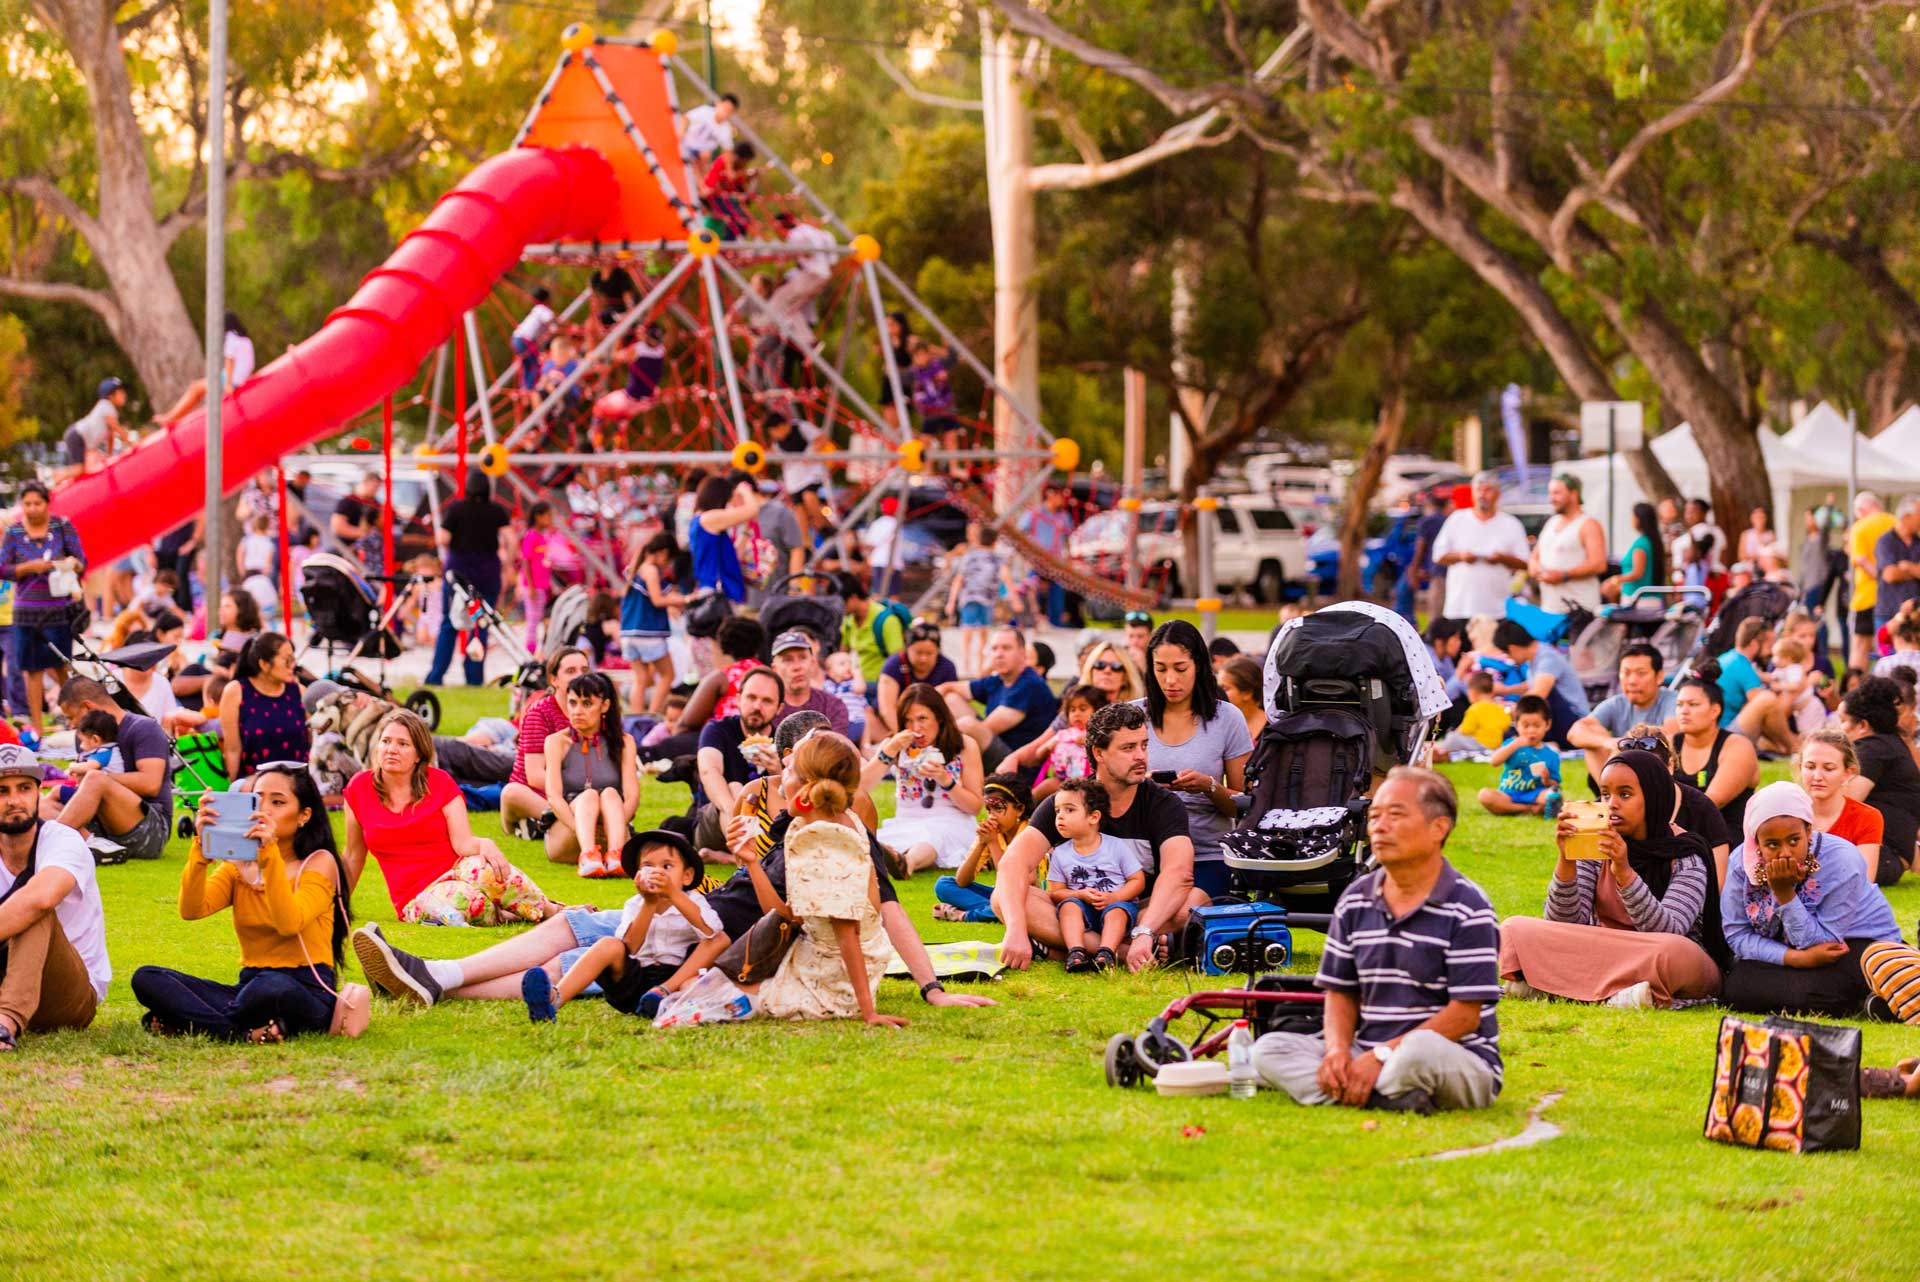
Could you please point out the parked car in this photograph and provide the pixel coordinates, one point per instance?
(1260, 549)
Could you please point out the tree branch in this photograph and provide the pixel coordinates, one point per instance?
(140, 20)
(920, 95)
(1176, 141)
(1719, 91)
(44, 192)
(96, 300)
(1182, 102)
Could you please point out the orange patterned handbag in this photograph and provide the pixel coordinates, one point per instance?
(1786, 1085)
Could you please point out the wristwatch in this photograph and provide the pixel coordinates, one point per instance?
(931, 985)
(1139, 932)
(1382, 1052)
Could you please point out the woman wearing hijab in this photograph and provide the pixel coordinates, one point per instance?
(1800, 913)
(1629, 928)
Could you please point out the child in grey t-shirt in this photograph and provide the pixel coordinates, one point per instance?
(1094, 879)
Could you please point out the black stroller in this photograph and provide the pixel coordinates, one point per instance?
(1351, 692)
(808, 601)
(1766, 601)
(344, 610)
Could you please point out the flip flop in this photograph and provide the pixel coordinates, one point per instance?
(536, 989)
(9, 1041)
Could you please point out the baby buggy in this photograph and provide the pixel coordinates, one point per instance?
(1765, 601)
(1351, 692)
(810, 602)
(345, 611)
(1668, 619)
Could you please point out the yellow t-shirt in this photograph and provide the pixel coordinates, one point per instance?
(1486, 721)
(1860, 541)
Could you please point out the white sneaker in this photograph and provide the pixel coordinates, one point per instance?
(1638, 997)
(1520, 990)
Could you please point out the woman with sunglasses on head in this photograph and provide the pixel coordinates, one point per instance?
(918, 662)
(1193, 732)
(291, 909)
(1696, 812)
(1707, 755)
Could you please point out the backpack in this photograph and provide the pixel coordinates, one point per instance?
(884, 610)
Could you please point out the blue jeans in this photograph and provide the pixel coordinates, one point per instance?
(528, 358)
(1212, 877)
(974, 900)
(589, 927)
(445, 639)
(1403, 596)
(1056, 605)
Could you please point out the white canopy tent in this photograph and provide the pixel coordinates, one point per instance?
(1803, 466)
(1900, 439)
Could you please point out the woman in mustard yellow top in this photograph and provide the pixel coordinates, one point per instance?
(291, 911)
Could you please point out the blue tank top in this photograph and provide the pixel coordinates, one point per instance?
(639, 616)
(715, 563)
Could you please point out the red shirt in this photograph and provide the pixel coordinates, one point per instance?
(412, 846)
(542, 718)
(1859, 823)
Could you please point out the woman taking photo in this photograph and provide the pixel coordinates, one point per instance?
(939, 780)
(1195, 733)
(1888, 779)
(919, 662)
(1800, 914)
(261, 716)
(593, 779)
(1828, 764)
(1717, 761)
(31, 551)
(412, 818)
(1629, 928)
(291, 910)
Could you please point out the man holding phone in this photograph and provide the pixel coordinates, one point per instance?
(133, 807)
(53, 935)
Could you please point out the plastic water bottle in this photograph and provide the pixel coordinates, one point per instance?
(1242, 1081)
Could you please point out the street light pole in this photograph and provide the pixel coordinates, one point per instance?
(216, 301)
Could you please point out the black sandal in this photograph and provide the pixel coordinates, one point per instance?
(9, 1040)
(153, 1024)
(1078, 962)
(1104, 959)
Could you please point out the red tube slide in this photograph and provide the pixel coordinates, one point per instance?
(366, 350)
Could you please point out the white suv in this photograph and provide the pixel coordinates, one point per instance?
(1259, 548)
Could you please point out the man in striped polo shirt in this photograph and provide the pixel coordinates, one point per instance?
(1411, 973)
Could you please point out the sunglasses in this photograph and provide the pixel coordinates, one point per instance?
(1108, 665)
(1638, 743)
(1140, 618)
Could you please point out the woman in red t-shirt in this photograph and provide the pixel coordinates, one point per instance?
(413, 820)
(1827, 761)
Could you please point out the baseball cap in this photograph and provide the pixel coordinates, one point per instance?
(791, 639)
(108, 386)
(17, 760)
(630, 853)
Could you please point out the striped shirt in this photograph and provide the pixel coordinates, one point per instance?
(1675, 913)
(542, 718)
(1406, 969)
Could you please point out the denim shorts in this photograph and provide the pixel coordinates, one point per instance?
(1093, 917)
(590, 926)
(975, 614)
(38, 647)
(642, 649)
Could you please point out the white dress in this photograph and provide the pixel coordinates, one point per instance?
(924, 812)
(829, 876)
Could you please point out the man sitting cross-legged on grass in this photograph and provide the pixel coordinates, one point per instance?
(133, 807)
(555, 944)
(1411, 973)
(1143, 814)
(53, 934)
(667, 927)
(1529, 770)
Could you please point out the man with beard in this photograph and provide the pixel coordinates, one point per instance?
(726, 760)
(53, 936)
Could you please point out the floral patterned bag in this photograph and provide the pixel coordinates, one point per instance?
(1786, 1085)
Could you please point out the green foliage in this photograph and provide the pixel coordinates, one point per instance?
(15, 371)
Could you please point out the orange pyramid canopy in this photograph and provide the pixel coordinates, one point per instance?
(575, 112)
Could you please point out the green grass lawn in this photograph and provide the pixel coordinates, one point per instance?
(462, 1142)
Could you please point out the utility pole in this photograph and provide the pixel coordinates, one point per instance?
(216, 329)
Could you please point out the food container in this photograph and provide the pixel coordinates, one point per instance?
(1193, 1077)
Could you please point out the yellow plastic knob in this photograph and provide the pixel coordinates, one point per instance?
(865, 248)
(576, 37)
(750, 457)
(665, 43)
(1066, 454)
(493, 460)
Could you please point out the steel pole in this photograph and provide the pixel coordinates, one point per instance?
(216, 329)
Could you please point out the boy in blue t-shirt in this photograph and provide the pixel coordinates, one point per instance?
(1529, 770)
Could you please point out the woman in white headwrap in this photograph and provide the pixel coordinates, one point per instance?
(1800, 913)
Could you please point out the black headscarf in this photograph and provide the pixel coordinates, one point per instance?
(1651, 857)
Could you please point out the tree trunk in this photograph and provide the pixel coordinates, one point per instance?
(1886, 388)
(152, 325)
(1010, 199)
(1365, 482)
(1563, 344)
(1195, 409)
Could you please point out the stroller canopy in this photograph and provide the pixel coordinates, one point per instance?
(1353, 638)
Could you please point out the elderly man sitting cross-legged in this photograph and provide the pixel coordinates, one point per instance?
(1411, 973)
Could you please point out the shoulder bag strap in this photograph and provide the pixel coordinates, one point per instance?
(26, 874)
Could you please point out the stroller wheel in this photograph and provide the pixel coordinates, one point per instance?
(425, 704)
(184, 826)
(1123, 1069)
(1152, 1049)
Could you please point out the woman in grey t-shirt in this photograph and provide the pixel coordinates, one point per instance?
(1193, 732)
